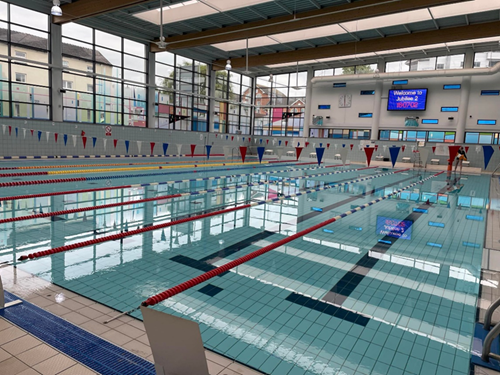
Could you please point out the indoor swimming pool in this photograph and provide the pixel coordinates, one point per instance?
(389, 289)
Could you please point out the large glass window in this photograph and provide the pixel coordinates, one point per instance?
(428, 63)
(486, 59)
(413, 136)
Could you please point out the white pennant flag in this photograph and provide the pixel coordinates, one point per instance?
(478, 149)
(179, 149)
(74, 140)
(314, 145)
(3, 129)
(335, 146)
(238, 138)
(412, 148)
(385, 148)
(24, 133)
(227, 151)
(104, 140)
(139, 145)
(279, 152)
(424, 155)
(47, 135)
(343, 154)
(360, 147)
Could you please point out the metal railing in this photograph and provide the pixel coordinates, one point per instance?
(494, 332)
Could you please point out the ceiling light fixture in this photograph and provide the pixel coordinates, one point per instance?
(228, 65)
(161, 44)
(56, 9)
(270, 77)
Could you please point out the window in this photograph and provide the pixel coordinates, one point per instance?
(452, 87)
(90, 88)
(20, 54)
(449, 109)
(367, 92)
(490, 92)
(67, 85)
(21, 77)
(90, 69)
(65, 63)
(365, 115)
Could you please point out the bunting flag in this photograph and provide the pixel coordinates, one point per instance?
(327, 146)
(237, 138)
(243, 139)
(298, 144)
(74, 140)
(227, 151)
(335, 146)
(260, 152)
(165, 147)
(39, 135)
(478, 149)
(298, 151)
(403, 148)
(193, 146)
(279, 152)
(56, 136)
(179, 149)
(47, 134)
(163, 237)
(249, 139)
(351, 146)
(261, 141)
(243, 152)
(31, 130)
(24, 133)
(343, 154)
(488, 153)
(227, 137)
(94, 140)
(139, 145)
(279, 142)
(65, 137)
(376, 147)
(10, 130)
(152, 145)
(394, 152)
(369, 154)
(84, 140)
(385, 148)
(16, 132)
(3, 128)
(104, 141)
(343, 145)
(127, 144)
(452, 150)
(466, 149)
(434, 149)
(424, 155)
(115, 142)
(232, 138)
(286, 143)
(208, 147)
(216, 135)
(320, 151)
(307, 144)
(267, 141)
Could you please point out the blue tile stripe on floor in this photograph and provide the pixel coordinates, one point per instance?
(97, 354)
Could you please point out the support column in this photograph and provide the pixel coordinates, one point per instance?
(463, 109)
(56, 82)
(151, 119)
(381, 65)
(377, 103)
(469, 59)
(308, 112)
(211, 105)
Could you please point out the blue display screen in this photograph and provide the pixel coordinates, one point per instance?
(392, 227)
(407, 100)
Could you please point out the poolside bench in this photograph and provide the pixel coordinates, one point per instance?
(268, 152)
(406, 159)
(290, 153)
(312, 155)
(379, 157)
(466, 163)
(435, 161)
(337, 157)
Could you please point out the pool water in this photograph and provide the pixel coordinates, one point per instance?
(391, 289)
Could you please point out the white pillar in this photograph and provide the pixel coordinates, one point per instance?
(211, 102)
(151, 120)
(308, 112)
(463, 109)
(377, 107)
(56, 76)
(469, 59)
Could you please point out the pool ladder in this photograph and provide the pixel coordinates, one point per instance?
(495, 331)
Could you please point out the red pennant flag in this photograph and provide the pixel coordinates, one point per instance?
(352, 147)
(243, 152)
(192, 150)
(31, 132)
(467, 149)
(369, 154)
(216, 135)
(10, 130)
(298, 151)
(232, 138)
(307, 144)
(453, 150)
(376, 147)
(115, 141)
(434, 149)
(328, 145)
(56, 136)
(403, 148)
(249, 139)
(84, 140)
(152, 144)
(286, 143)
(267, 141)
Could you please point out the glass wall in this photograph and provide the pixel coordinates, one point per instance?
(280, 104)
(339, 133)
(357, 69)
(413, 136)
(429, 63)
(486, 59)
(484, 138)
(25, 90)
(103, 98)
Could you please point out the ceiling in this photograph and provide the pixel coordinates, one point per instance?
(321, 33)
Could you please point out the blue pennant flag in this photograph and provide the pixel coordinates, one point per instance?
(227, 137)
(488, 153)
(65, 139)
(343, 145)
(298, 144)
(16, 132)
(41, 210)
(209, 147)
(165, 147)
(39, 135)
(127, 143)
(243, 139)
(279, 142)
(94, 140)
(320, 151)
(260, 151)
(261, 141)
(394, 151)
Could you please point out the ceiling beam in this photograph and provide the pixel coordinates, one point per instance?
(300, 21)
(416, 39)
(88, 8)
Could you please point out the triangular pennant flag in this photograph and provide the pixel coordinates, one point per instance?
(24, 133)
(47, 134)
(208, 147)
(279, 142)
(267, 141)
(298, 151)
(227, 137)
(139, 145)
(298, 144)
(424, 155)
(65, 137)
(343, 145)
(403, 148)
(31, 130)
(488, 153)
(320, 151)
(238, 138)
(279, 152)
(127, 144)
(307, 144)
(260, 152)
(249, 139)
(335, 146)
(351, 146)
(17, 132)
(478, 149)
(10, 130)
(115, 142)
(243, 139)
(216, 135)
(56, 136)
(179, 149)
(193, 146)
(41, 210)
(453, 150)
(84, 140)
(286, 143)
(227, 151)
(39, 135)
(163, 237)
(376, 147)
(165, 147)
(466, 149)
(243, 152)
(394, 151)
(232, 138)
(3, 128)
(74, 140)
(94, 140)
(104, 141)
(369, 154)
(434, 149)
(152, 145)
(343, 154)
(327, 146)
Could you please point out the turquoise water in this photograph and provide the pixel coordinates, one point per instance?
(336, 301)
